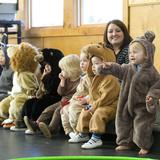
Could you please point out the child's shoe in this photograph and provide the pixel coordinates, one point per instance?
(72, 135)
(8, 125)
(16, 129)
(79, 138)
(92, 144)
(29, 132)
(7, 121)
(45, 130)
(31, 125)
(19, 126)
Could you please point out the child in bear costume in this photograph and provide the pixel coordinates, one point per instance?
(47, 92)
(25, 83)
(103, 95)
(134, 121)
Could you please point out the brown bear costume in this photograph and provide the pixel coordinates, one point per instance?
(134, 122)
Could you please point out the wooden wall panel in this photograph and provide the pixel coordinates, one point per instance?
(143, 18)
(132, 2)
(139, 16)
(70, 44)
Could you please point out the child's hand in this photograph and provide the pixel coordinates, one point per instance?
(91, 110)
(47, 69)
(62, 78)
(149, 100)
(62, 75)
(82, 100)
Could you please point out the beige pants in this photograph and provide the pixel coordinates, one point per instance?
(69, 116)
(11, 107)
(96, 122)
(16, 106)
(4, 107)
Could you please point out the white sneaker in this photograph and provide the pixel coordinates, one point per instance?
(72, 135)
(14, 128)
(29, 132)
(78, 138)
(92, 144)
(6, 121)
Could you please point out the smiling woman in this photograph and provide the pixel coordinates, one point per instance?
(116, 36)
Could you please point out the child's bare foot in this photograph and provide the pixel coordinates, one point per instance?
(143, 152)
(121, 148)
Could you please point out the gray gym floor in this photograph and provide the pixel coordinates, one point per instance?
(18, 145)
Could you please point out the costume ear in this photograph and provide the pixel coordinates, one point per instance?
(11, 50)
(39, 58)
(150, 36)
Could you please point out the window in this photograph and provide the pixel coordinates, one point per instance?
(46, 13)
(99, 11)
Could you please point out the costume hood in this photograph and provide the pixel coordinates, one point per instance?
(146, 42)
(98, 50)
(52, 57)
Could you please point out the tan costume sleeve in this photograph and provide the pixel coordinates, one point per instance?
(28, 82)
(82, 89)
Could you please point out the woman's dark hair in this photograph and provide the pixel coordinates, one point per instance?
(122, 26)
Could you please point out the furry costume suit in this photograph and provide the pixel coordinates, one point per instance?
(134, 121)
(103, 95)
(47, 93)
(155, 94)
(25, 82)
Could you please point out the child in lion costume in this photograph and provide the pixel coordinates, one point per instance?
(25, 83)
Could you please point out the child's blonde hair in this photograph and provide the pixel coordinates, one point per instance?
(137, 46)
(71, 65)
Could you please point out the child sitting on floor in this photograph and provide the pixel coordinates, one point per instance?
(103, 98)
(71, 112)
(49, 121)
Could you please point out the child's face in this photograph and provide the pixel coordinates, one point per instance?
(137, 53)
(84, 62)
(48, 68)
(2, 59)
(95, 62)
